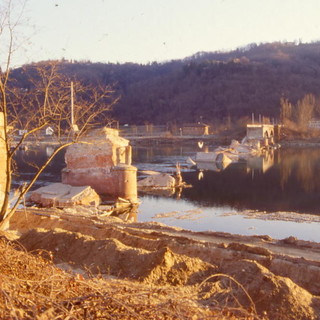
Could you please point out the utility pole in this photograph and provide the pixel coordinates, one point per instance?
(72, 102)
(74, 127)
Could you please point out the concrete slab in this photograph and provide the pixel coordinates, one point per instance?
(64, 195)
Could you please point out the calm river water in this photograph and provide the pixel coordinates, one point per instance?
(286, 180)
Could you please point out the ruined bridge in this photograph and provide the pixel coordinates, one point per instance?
(261, 131)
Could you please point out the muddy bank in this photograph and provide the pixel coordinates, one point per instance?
(280, 279)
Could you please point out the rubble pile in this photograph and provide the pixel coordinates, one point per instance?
(223, 156)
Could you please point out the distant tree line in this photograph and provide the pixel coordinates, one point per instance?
(218, 87)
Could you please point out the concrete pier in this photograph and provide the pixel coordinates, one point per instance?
(127, 182)
(103, 162)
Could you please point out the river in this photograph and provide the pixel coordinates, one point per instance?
(285, 180)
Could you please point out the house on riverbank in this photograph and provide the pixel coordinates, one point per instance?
(314, 124)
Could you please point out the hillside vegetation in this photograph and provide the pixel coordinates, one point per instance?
(212, 87)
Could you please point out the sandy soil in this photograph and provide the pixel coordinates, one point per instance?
(277, 279)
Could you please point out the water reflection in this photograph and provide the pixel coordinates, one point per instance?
(49, 151)
(302, 165)
(212, 166)
(280, 180)
(27, 162)
(285, 180)
(262, 163)
(169, 192)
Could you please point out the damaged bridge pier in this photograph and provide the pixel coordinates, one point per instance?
(103, 161)
(127, 182)
(264, 134)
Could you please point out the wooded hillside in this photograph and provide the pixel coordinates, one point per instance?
(211, 87)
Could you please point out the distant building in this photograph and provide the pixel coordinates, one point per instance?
(314, 124)
(22, 132)
(49, 131)
(263, 132)
(195, 129)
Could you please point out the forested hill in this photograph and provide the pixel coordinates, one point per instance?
(209, 86)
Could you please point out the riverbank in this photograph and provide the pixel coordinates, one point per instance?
(214, 275)
(148, 270)
(288, 139)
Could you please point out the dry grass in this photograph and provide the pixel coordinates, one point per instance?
(31, 287)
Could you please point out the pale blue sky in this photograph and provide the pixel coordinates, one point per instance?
(158, 30)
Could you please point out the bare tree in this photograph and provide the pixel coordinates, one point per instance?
(299, 115)
(304, 110)
(285, 110)
(46, 101)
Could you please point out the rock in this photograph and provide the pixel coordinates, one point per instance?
(64, 195)
(191, 162)
(234, 144)
(223, 158)
(245, 147)
(149, 172)
(212, 166)
(217, 160)
(81, 210)
(206, 156)
(290, 240)
(161, 180)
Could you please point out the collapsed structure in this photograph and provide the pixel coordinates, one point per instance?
(102, 161)
(63, 195)
(264, 134)
(259, 139)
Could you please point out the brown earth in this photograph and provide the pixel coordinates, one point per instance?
(216, 275)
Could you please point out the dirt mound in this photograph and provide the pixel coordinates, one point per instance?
(236, 283)
(32, 288)
(254, 275)
(174, 269)
(274, 296)
(112, 257)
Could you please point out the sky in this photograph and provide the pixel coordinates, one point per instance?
(143, 31)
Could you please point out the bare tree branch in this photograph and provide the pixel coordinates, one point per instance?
(45, 101)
